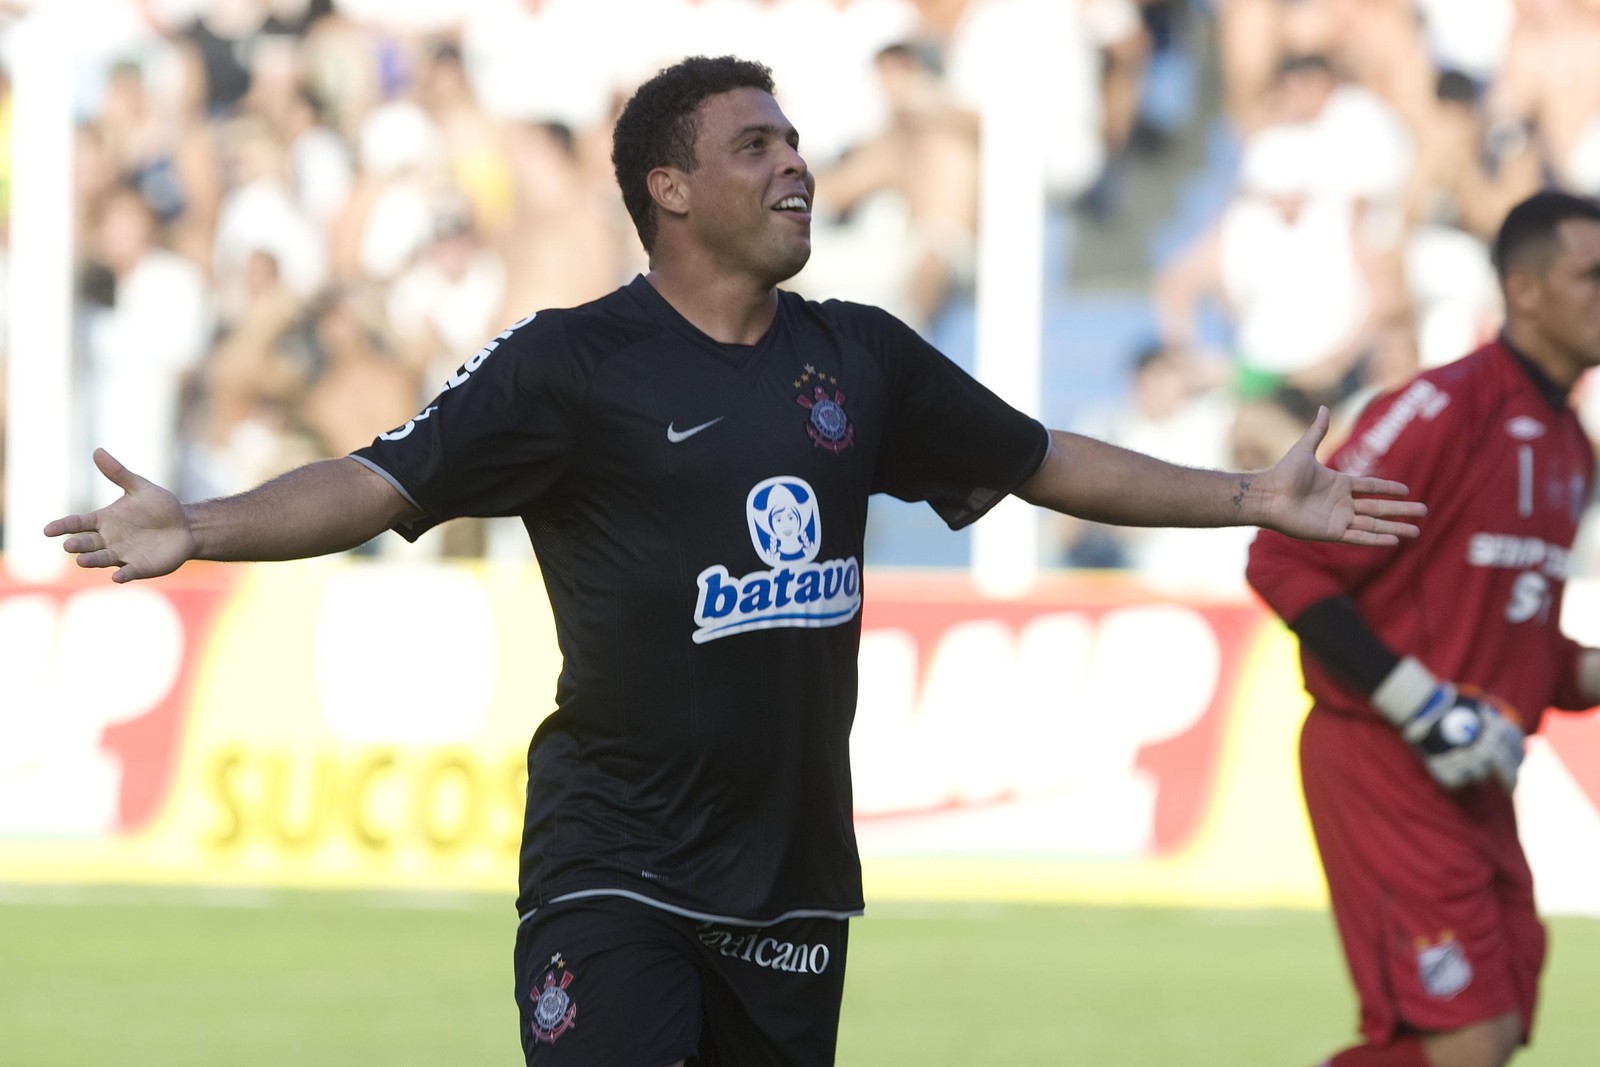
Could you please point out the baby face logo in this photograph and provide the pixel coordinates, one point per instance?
(784, 524)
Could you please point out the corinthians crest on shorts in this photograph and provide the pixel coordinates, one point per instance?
(554, 1010)
(829, 425)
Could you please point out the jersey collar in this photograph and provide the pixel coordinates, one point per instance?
(659, 308)
(1553, 393)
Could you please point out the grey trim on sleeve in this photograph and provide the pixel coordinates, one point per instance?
(984, 500)
(386, 476)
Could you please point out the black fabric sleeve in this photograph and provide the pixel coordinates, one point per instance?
(496, 438)
(950, 441)
(1334, 632)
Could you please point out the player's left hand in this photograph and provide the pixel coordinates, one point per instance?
(1307, 500)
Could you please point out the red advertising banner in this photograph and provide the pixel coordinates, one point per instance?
(1089, 687)
(341, 723)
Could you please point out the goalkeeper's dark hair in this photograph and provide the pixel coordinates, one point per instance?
(1530, 233)
(659, 124)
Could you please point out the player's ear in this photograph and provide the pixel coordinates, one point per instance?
(669, 189)
(1523, 287)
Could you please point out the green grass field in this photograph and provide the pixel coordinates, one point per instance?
(186, 977)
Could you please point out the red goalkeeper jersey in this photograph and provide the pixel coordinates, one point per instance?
(1505, 468)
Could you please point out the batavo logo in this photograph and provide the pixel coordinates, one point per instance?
(1068, 726)
(94, 686)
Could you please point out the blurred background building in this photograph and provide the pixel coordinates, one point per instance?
(293, 218)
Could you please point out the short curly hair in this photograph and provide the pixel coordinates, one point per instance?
(659, 124)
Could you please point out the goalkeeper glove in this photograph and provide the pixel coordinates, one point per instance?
(1463, 735)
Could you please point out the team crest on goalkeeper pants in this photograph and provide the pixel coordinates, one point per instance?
(1444, 966)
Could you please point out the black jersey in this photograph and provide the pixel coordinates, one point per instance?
(698, 512)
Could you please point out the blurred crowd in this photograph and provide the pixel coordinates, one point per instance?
(296, 217)
(1379, 144)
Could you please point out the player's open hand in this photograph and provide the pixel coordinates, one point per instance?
(144, 533)
(1307, 500)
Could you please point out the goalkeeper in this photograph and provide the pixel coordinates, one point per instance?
(1429, 661)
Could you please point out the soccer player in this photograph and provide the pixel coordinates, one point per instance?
(1428, 662)
(692, 456)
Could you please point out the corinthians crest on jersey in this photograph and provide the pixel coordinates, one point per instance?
(829, 425)
(785, 525)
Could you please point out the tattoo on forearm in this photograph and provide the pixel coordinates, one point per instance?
(1244, 487)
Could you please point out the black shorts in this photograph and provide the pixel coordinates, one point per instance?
(610, 982)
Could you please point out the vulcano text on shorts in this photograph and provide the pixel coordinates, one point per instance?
(753, 947)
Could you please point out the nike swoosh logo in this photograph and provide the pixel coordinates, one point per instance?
(683, 435)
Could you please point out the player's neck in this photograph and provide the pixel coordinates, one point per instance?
(1547, 355)
(729, 309)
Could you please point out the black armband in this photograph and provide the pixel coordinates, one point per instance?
(1334, 632)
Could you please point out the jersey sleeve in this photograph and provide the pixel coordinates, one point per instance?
(497, 437)
(949, 440)
(1413, 435)
(1569, 692)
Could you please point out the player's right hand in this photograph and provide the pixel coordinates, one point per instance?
(1466, 736)
(144, 533)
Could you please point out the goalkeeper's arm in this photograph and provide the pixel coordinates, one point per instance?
(1462, 735)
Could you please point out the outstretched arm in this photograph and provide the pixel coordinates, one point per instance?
(1298, 496)
(322, 507)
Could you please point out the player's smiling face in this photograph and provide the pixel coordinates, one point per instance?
(751, 191)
